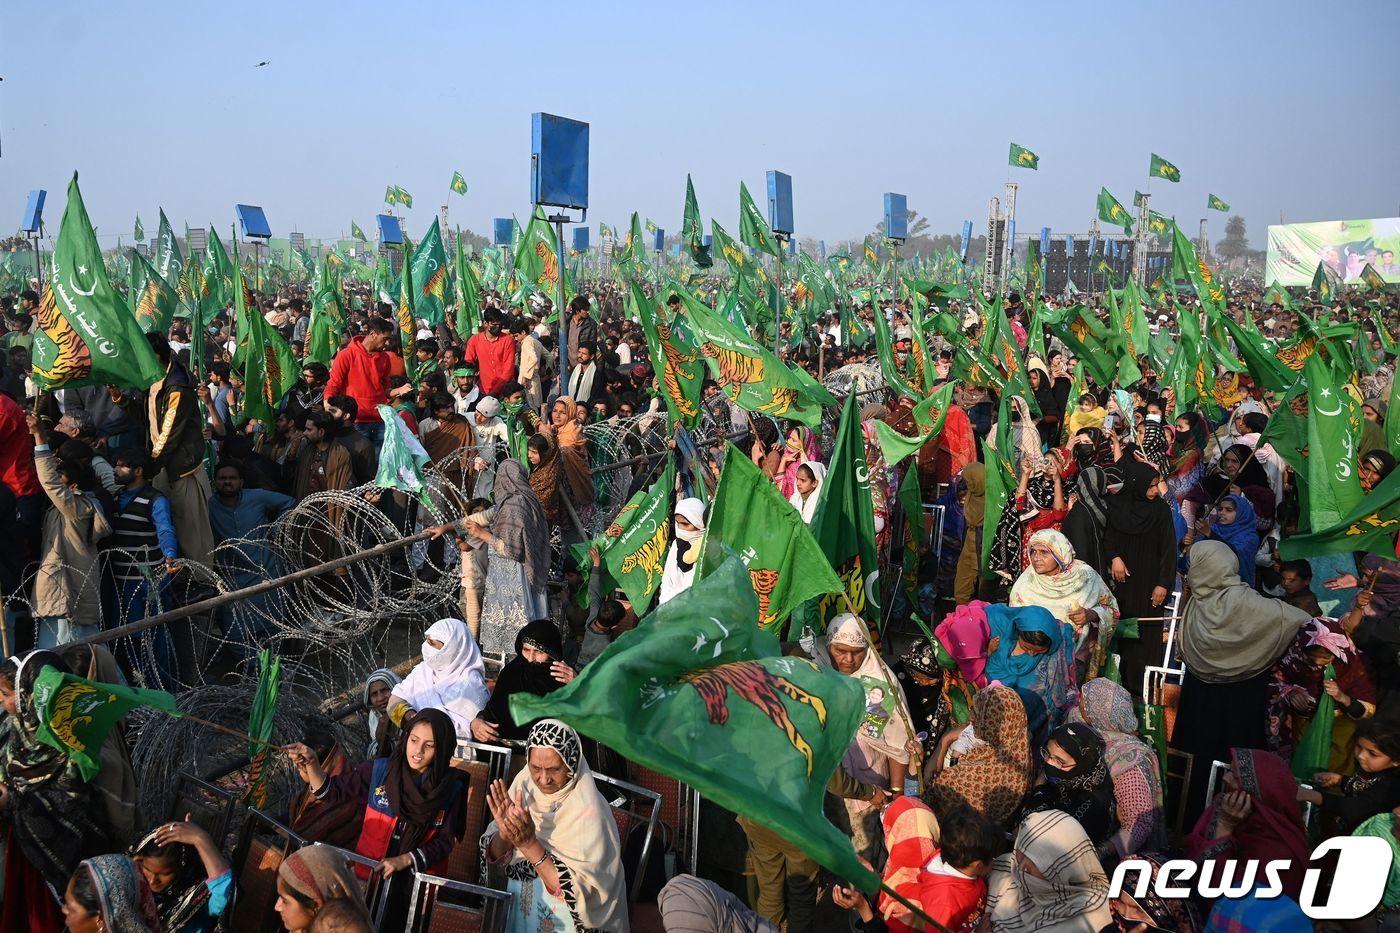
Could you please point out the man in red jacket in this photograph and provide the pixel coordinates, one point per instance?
(493, 353)
(361, 371)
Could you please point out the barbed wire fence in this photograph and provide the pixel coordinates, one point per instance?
(331, 629)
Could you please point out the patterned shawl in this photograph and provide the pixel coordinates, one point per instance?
(124, 900)
(994, 776)
(1072, 895)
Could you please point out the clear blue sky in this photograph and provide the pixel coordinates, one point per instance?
(1274, 106)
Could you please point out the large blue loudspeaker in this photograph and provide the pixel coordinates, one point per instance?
(966, 239)
(501, 231)
(660, 239)
(780, 202)
(253, 221)
(558, 161)
(581, 239)
(390, 233)
(34, 213)
(896, 216)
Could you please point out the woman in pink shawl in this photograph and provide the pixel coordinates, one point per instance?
(801, 446)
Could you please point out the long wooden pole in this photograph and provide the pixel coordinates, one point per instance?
(223, 599)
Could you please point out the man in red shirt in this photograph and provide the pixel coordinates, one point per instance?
(361, 371)
(493, 354)
(21, 496)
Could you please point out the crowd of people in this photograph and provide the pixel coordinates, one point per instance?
(1005, 766)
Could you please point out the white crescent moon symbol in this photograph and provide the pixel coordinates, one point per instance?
(1329, 414)
(79, 291)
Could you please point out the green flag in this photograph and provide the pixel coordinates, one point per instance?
(402, 458)
(730, 250)
(930, 414)
(1370, 526)
(459, 184)
(269, 368)
(168, 262)
(750, 518)
(404, 313)
(679, 366)
(139, 232)
(1138, 197)
(152, 301)
(1260, 355)
(403, 197)
(1213, 203)
(844, 524)
(357, 233)
(1000, 485)
(218, 273)
(1392, 424)
(1322, 283)
(750, 376)
(1111, 212)
(468, 295)
(85, 334)
(1334, 426)
(1159, 225)
(911, 502)
(1161, 168)
(76, 715)
(261, 719)
(697, 692)
(753, 228)
(1021, 157)
(693, 229)
(634, 544)
(430, 272)
(390, 195)
(537, 258)
(1372, 278)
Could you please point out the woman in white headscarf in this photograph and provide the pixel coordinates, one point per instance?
(557, 838)
(807, 488)
(879, 756)
(451, 677)
(1051, 881)
(679, 571)
(1073, 592)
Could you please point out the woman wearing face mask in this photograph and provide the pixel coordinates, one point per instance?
(1083, 526)
(1077, 782)
(451, 678)
(679, 571)
(414, 800)
(537, 668)
(1140, 543)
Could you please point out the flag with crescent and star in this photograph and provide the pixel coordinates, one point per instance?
(699, 693)
(84, 332)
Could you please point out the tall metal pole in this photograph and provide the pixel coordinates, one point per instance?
(1010, 247)
(778, 303)
(559, 303)
(1140, 242)
(1202, 245)
(993, 248)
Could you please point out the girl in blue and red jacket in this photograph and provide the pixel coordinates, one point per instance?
(414, 799)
